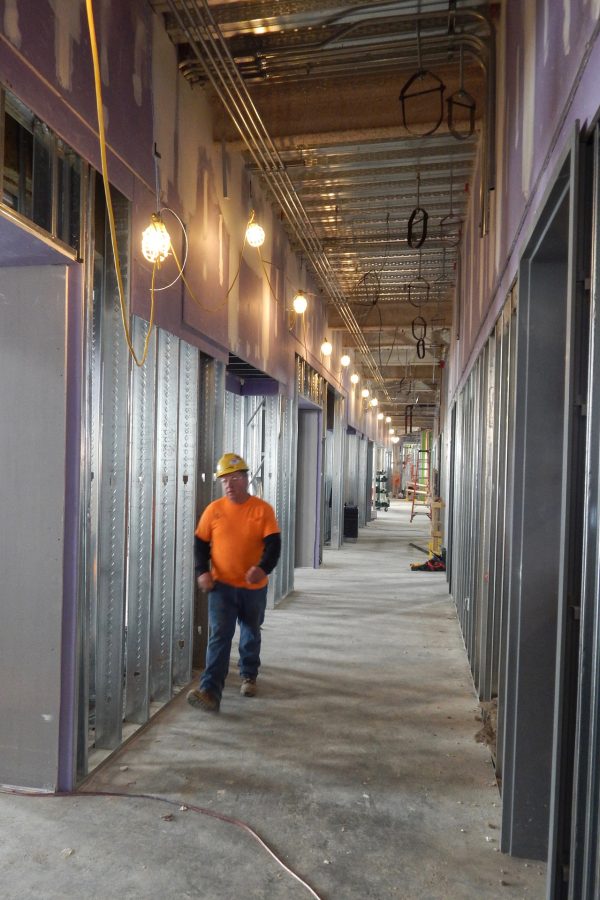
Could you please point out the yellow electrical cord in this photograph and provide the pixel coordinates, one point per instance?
(109, 207)
(111, 219)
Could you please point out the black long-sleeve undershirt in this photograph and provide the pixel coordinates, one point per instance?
(267, 562)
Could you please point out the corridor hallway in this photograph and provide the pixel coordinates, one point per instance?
(357, 763)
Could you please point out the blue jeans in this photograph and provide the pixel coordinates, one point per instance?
(228, 605)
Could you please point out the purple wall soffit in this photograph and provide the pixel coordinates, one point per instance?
(69, 662)
(305, 403)
(34, 72)
(571, 96)
(253, 387)
(18, 246)
(233, 384)
(260, 387)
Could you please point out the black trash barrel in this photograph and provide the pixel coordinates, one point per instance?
(351, 522)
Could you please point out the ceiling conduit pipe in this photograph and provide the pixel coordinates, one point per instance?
(302, 54)
(210, 49)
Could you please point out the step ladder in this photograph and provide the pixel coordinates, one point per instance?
(419, 490)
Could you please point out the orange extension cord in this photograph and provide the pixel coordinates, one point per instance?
(179, 804)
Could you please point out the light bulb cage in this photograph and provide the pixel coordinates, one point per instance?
(255, 234)
(156, 241)
(300, 303)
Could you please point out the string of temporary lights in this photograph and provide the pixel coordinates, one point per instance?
(156, 246)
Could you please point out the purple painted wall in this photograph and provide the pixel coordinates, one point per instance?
(45, 59)
(548, 76)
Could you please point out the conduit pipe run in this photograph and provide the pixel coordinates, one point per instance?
(207, 43)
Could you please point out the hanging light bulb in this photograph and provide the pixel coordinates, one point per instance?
(392, 431)
(365, 393)
(345, 360)
(326, 348)
(374, 401)
(388, 419)
(300, 302)
(380, 416)
(354, 378)
(255, 234)
(395, 439)
(156, 242)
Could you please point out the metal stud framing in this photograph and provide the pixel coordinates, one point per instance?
(140, 500)
(338, 474)
(351, 471)
(585, 841)
(186, 511)
(478, 503)
(141, 503)
(111, 523)
(165, 488)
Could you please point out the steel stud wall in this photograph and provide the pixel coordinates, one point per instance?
(186, 513)
(584, 880)
(478, 505)
(137, 543)
(165, 492)
(110, 388)
(141, 501)
(338, 474)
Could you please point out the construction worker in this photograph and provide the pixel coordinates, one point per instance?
(237, 545)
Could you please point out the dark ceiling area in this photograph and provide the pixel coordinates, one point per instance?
(363, 120)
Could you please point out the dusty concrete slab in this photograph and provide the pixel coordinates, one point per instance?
(356, 763)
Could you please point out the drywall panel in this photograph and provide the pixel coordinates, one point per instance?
(32, 403)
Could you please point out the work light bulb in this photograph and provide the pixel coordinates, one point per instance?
(380, 416)
(300, 303)
(388, 419)
(374, 401)
(365, 393)
(156, 242)
(345, 360)
(326, 348)
(354, 378)
(255, 235)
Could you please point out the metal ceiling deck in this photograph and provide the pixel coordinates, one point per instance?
(325, 80)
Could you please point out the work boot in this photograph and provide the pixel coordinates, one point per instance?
(203, 700)
(248, 688)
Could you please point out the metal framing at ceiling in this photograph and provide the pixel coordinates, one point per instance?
(313, 90)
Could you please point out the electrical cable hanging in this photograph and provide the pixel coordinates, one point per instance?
(461, 99)
(420, 218)
(451, 224)
(109, 207)
(209, 47)
(434, 85)
(419, 289)
(419, 324)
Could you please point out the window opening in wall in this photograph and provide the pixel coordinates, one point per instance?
(41, 175)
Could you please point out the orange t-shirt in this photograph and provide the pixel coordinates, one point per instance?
(236, 533)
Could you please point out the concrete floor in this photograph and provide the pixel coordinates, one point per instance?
(357, 763)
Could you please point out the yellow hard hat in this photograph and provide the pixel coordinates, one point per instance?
(230, 463)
